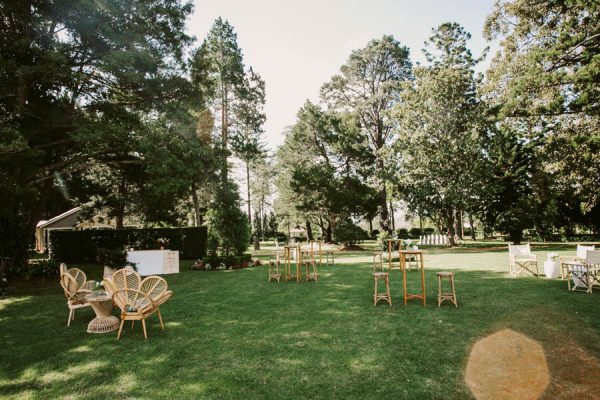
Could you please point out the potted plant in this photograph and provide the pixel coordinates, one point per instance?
(113, 259)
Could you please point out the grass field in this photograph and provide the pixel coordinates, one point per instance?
(232, 335)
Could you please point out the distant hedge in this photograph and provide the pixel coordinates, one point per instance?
(82, 246)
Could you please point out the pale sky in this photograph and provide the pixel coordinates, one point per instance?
(297, 45)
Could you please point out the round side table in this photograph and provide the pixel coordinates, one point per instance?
(104, 321)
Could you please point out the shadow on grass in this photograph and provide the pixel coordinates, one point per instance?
(234, 335)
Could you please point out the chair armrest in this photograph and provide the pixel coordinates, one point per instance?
(140, 301)
(163, 297)
(525, 257)
(87, 286)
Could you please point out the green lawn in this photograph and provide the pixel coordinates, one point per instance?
(233, 335)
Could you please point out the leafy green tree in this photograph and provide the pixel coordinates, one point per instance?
(325, 181)
(370, 84)
(67, 68)
(440, 147)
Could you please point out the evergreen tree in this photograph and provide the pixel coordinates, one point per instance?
(219, 61)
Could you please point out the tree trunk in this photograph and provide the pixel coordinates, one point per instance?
(384, 218)
(224, 134)
(327, 235)
(197, 216)
(516, 236)
(392, 219)
(458, 224)
(248, 194)
(261, 217)
(450, 229)
(309, 234)
(472, 225)
(120, 209)
(371, 227)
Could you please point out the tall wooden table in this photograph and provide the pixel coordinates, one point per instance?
(389, 243)
(287, 262)
(419, 255)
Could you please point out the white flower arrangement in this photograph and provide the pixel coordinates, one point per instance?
(553, 256)
(408, 244)
(221, 267)
(207, 266)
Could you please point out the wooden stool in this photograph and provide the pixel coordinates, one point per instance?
(288, 252)
(315, 246)
(311, 275)
(274, 273)
(375, 264)
(329, 253)
(446, 296)
(384, 296)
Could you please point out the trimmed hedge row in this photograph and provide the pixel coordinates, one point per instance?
(82, 246)
(228, 261)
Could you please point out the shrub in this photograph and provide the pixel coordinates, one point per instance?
(223, 262)
(414, 232)
(229, 224)
(428, 231)
(375, 234)
(349, 234)
(402, 233)
(82, 246)
(42, 268)
(382, 239)
(114, 258)
(281, 237)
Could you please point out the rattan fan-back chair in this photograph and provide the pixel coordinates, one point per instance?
(136, 298)
(75, 294)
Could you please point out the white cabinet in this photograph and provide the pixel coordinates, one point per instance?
(154, 262)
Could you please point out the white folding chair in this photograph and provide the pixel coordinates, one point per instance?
(585, 274)
(521, 259)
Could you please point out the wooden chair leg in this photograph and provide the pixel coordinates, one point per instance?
(71, 316)
(144, 326)
(120, 329)
(439, 290)
(387, 290)
(454, 292)
(375, 295)
(132, 323)
(160, 319)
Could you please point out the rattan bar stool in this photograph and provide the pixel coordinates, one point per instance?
(446, 296)
(329, 255)
(311, 270)
(274, 272)
(377, 264)
(382, 296)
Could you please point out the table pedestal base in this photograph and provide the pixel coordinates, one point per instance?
(103, 324)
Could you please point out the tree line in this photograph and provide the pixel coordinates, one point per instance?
(114, 107)
(515, 149)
